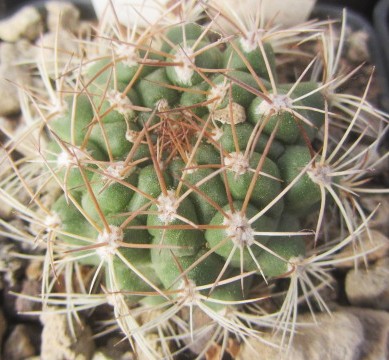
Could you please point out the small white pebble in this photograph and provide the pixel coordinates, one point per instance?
(26, 23)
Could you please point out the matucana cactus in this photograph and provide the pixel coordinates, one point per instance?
(186, 173)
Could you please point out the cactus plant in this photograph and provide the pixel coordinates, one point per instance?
(177, 165)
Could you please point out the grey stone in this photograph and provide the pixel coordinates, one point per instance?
(26, 23)
(9, 96)
(201, 322)
(369, 287)
(375, 246)
(19, 344)
(14, 54)
(350, 333)
(60, 343)
(31, 288)
(62, 15)
(336, 337)
(14, 76)
(10, 266)
(380, 218)
(56, 53)
(376, 333)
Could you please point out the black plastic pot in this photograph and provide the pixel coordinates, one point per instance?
(381, 25)
(363, 7)
(357, 22)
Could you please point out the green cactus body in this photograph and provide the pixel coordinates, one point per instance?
(313, 99)
(187, 212)
(122, 67)
(130, 283)
(196, 96)
(171, 268)
(238, 94)
(186, 75)
(72, 164)
(239, 179)
(133, 236)
(238, 234)
(305, 193)
(244, 132)
(186, 240)
(285, 247)
(206, 154)
(288, 130)
(233, 291)
(113, 104)
(74, 229)
(148, 184)
(111, 138)
(111, 197)
(72, 126)
(154, 88)
(212, 188)
(252, 54)
(181, 33)
(282, 110)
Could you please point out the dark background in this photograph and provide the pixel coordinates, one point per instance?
(364, 7)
